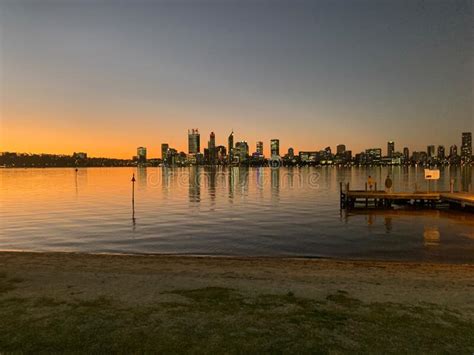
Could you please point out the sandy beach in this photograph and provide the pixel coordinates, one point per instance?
(360, 305)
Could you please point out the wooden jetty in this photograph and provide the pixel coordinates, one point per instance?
(385, 199)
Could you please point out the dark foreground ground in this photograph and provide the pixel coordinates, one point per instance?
(103, 303)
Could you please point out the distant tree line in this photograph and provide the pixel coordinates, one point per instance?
(23, 160)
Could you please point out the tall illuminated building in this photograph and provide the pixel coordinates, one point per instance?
(221, 153)
(466, 146)
(275, 147)
(373, 154)
(340, 149)
(390, 149)
(291, 153)
(212, 148)
(194, 141)
(430, 150)
(259, 148)
(164, 151)
(230, 149)
(241, 151)
(441, 152)
(141, 155)
(453, 151)
(406, 154)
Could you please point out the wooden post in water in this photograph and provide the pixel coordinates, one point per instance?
(133, 197)
(366, 199)
(375, 200)
(133, 189)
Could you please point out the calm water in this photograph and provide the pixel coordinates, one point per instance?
(237, 211)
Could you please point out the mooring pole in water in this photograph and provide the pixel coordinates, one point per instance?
(133, 197)
(133, 188)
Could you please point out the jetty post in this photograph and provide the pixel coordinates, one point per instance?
(366, 199)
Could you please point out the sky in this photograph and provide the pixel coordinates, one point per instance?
(105, 76)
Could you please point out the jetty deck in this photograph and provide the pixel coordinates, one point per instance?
(385, 199)
(463, 198)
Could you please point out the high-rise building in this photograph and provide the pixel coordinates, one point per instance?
(259, 148)
(431, 151)
(141, 155)
(275, 147)
(466, 146)
(194, 141)
(221, 153)
(419, 157)
(348, 155)
(211, 146)
(230, 148)
(291, 153)
(373, 154)
(453, 151)
(406, 154)
(390, 149)
(242, 151)
(327, 153)
(164, 151)
(441, 152)
(172, 156)
(340, 149)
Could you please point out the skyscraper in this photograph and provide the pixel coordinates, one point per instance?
(453, 151)
(327, 154)
(260, 148)
(275, 147)
(406, 154)
(466, 146)
(164, 151)
(340, 149)
(194, 141)
(373, 154)
(221, 153)
(431, 151)
(243, 151)
(291, 153)
(441, 152)
(141, 155)
(390, 149)
(212, 148)
(230, 148)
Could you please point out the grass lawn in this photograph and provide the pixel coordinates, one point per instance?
(226, 320)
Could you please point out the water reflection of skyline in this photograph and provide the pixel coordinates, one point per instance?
(297, 208)
(194, 185)
(239, 180)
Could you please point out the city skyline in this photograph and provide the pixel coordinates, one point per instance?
(218, 151)
(129, 74)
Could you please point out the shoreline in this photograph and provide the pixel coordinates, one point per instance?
(361, 260)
